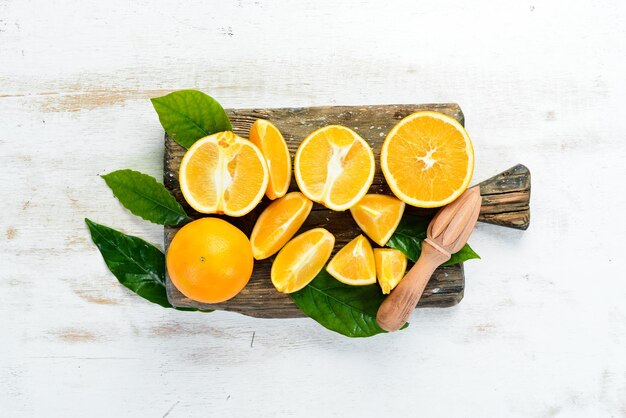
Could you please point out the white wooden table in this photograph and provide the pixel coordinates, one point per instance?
(542, 329)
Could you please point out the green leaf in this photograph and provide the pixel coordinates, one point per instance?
(145, 197)
(137, 264)
(410, 234)
(466, 253)
(188, 115)
(348, 310)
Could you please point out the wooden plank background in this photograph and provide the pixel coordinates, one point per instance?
(541, 330)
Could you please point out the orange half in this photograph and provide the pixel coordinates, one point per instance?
(270, 141)
(427, 159)
(334, 166)
(223, 173)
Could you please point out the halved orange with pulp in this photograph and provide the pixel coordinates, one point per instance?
(334, 166)
(427, 159)
(223, 173)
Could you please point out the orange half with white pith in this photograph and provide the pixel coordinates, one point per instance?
(223, 173)
(334, 166)
(427, 159)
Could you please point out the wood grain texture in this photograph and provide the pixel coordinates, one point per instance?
(506, 198)
(259, 298)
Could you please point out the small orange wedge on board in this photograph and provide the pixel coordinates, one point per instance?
(297, 264)
(270, 141)
(378, 216)
(278, 223)
(354, 264)
(390, 267)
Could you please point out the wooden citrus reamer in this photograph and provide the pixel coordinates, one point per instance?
(447, 233)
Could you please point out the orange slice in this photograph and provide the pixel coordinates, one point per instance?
(334, 166)
(390, 267)
(354, 263)
(297, 264)
(427, 159)
(223, 173)
(378, 215)
(278, 224)
(274, 148)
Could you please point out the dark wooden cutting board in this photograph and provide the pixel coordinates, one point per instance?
(505, 201)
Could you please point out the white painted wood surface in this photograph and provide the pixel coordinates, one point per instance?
(542, 329)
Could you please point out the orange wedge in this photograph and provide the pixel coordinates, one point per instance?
(427, 159)
(278, 224)
(378, 215)
(223, 173)
(390, 267)
(297, 264)
(354, 263)
(274, 148)
(334, 166)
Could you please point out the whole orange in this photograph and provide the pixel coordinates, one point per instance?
(210, 260)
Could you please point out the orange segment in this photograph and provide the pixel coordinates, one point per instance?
(297, 264)
(223, 173)
(378, 216)
(354, 263)
(390, 267)
(274, 149)
(278, 223)
(427, 159)
(334, 166)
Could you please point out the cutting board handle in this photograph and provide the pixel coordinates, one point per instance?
(506, 198)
